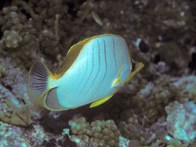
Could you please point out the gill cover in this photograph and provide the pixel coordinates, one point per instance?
(51, 101)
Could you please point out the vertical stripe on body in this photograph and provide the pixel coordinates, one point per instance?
(104, 71)
(86, 75)
(96, 79)
(114, 52)
(96, 67)
(87, 88)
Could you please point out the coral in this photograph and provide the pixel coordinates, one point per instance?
(181, 120)
(44, 26)
(187, 85)
(96, 133)
(133, 129)
(192, 144)
(12, 136)
(156, 95)
(32, 30)
(24, 137)
(12, 39)
(13, 91)
(15, 79)
(88, 11)
(12, 19)
(37, 136)
(12, 111)
(44, 30)
(172, 142)
(2, 70)
(123, 142)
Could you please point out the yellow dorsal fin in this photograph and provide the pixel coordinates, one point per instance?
(117, 80)
(99, 102)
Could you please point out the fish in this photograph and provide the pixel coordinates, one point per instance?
(141, 45)
(93, 70)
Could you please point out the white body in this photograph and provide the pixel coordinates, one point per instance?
(91, 75)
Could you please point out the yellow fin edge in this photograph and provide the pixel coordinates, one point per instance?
(139, 66)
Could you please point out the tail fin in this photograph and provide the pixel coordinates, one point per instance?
(38, 82)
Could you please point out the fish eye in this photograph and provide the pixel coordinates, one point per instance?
(143, 47)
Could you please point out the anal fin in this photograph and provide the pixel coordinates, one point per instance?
(99, 102)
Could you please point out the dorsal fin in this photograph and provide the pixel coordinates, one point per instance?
(71, 56)
(51, 101)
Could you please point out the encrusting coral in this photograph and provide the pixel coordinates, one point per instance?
(181, 121)
(11, 39)
(20, 137)
(156, 95)
(96, 133)
(187, 86)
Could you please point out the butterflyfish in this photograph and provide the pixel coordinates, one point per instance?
(93, 70)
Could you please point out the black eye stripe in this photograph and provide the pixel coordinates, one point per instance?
(143, 47)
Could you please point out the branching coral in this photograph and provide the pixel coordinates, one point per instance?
(32, 29)
(88, 11)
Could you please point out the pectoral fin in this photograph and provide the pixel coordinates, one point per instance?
(99, 102)
(117, 81)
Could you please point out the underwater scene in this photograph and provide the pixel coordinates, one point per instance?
(97, 73)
